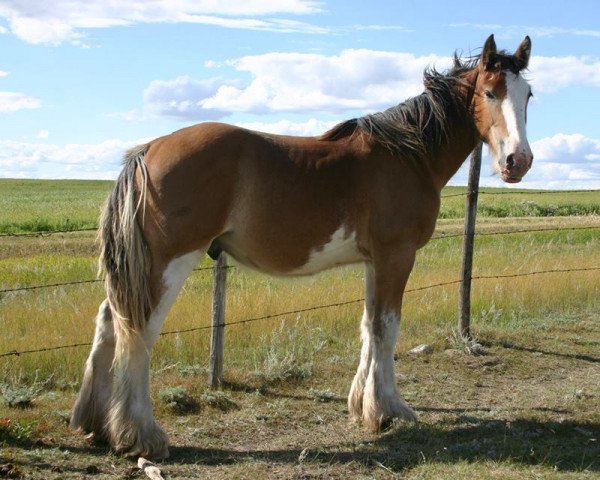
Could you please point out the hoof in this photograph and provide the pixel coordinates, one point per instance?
(97, 438)
(150, 442)
(377, 418)
(90, 423)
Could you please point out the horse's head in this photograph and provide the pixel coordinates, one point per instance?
(500, 100)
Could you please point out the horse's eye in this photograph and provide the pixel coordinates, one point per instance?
(489, 94)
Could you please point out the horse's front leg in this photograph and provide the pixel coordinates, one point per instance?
(380, 401)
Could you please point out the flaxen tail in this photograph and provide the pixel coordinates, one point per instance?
(124, 259)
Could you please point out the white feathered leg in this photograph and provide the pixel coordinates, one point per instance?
(355, 398)
(132, 427)
(90, 409)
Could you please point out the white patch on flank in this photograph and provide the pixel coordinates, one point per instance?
(341, 249)
(514, 107)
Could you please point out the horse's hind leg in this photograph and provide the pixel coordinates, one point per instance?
(132, 427)
(89, 412)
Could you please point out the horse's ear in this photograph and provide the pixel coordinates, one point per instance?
(489, 58)
(522, 53)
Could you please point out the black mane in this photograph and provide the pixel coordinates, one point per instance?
(419, 126)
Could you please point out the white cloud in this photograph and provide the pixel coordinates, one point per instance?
(181, 98)
(549, 74)
(41, 160)
(43, 134)
(310, 128)
(268, 25)
(572, 149)
(14, 101)
(363, 80)
(3, 73)
(63, 20)
(354, 80)
(561, 162)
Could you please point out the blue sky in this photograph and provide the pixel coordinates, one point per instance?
(82, 81)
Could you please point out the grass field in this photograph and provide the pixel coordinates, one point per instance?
(526, 409)
(38, 205)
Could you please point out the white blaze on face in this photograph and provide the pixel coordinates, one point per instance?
(514, 109)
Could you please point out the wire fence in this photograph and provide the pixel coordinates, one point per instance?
(437, 237)
(82, 282)
(312, 308)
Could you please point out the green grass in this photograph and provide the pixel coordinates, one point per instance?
(46, 205)
(496, 202)
(527, 409)
(43, 205)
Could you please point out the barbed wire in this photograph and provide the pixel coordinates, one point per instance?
(308, 309)
(452, 195)
(47, 233)
(95, 280)
(535, 192)
(527, 230)
(518, 192)
(438, 237)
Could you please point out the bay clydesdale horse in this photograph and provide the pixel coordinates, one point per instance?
(366, 191)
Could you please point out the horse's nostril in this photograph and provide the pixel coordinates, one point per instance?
(510, 160)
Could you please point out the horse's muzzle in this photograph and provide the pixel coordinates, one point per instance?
(516, 166)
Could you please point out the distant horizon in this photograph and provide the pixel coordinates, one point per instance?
(82, 82)
(514, 188)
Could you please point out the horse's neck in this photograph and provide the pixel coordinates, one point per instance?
(462, 139)
(451, 158)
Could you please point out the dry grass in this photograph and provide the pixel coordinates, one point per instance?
(64, 315)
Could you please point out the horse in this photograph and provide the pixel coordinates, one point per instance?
(368, 190)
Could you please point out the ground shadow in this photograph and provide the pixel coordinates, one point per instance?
(521, 348)
(564, 446)
(39, 456)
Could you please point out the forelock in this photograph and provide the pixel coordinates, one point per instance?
(509, 62)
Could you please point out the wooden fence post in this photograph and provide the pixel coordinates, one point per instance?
(464, 320)
(215, 373)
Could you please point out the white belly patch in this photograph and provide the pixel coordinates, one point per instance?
(341, 249)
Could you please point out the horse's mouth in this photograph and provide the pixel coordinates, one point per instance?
(508, 178)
